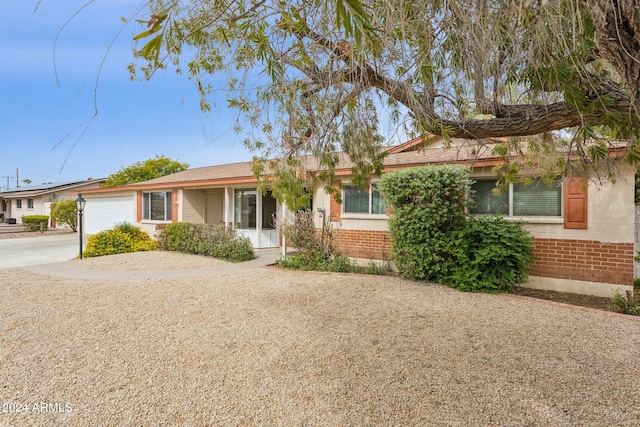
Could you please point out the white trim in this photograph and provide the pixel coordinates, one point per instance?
(349, 215)
(537, 219)
(360, 215)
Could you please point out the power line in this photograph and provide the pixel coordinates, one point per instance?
(8, 178)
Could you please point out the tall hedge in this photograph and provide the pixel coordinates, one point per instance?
(433, 239)
(428, 206)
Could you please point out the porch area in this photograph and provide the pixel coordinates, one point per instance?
(248, 210)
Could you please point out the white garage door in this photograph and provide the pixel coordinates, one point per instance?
(101, 214)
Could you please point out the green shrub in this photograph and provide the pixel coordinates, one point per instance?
(377, 269)
(433, 239)
(319, 262)
(629, 304)
(626, 305)
(428, 207)
(294, 261)
(493, 254)
(122, 238)
(135, 233)
(216, 241)
(34, 222)
(65, 213)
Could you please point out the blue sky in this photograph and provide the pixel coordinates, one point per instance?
(136, 120)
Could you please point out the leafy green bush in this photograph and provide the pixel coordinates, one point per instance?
(216, 241)
(428, 207)
(34, 222)
(493, 254)
(319, 262)
(122, 238)
(65, 213)
(433, 239)
(377, 269)
(626, 305)
(629, 304)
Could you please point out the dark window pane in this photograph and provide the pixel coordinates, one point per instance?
(486, 202)
(268, 211)
(168, 207)
(378, 202)
(157, 206)
(355, 200)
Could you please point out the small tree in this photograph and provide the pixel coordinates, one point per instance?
(143, 171)
(65, 213)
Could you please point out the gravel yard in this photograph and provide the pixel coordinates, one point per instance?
(271, 347)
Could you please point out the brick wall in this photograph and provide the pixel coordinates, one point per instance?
(585, 260)
(365, 244)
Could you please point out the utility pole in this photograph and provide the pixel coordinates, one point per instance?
(8, 178)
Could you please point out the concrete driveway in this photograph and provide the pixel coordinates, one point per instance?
(28, 251)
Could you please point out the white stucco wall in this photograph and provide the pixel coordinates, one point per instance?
(611, 213)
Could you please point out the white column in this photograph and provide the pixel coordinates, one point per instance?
(226, 207)
(283, 226)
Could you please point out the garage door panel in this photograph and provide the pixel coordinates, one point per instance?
(104, 213)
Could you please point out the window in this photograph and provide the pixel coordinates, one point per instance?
(29, 203)
(537, 199)
(246, 210)
(357, 200)
(4, 205)
(18, 203)
(156, 206)
(269, 210)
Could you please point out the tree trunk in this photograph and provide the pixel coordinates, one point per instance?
(617, 24)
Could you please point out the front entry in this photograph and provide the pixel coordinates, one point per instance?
(256, 220)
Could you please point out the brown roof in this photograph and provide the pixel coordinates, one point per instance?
(467, 152)
(474, 153)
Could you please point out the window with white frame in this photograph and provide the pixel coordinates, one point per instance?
(156, 206)
(29, 203)
(246, 209)
(18, 203)
(357, 200)
(536, 199)
(4, 205)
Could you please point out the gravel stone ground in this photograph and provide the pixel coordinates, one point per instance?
(269, 347)
(147, 261)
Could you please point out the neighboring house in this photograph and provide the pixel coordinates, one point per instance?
(36, 199)
(584, 234)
